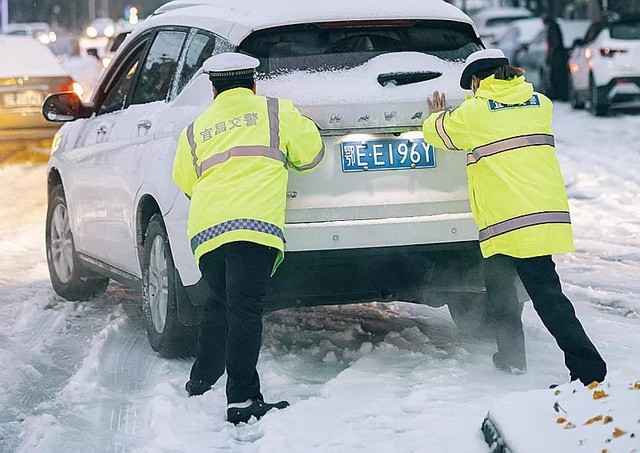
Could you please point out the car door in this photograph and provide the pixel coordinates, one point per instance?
(88, 159)
(140, 126)
(584, 57)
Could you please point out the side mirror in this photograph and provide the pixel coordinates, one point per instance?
(93, 52)
(65, 107)
(578, 43)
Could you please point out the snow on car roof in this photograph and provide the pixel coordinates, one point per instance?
(24, 56)
(245, 16)
(529, 29)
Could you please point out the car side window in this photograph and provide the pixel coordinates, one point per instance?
(159, 69)
(200, 47)
(117, 94)
(593, 32)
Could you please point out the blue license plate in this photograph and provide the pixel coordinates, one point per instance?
(390, 154)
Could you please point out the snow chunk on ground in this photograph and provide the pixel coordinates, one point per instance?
(570, 418)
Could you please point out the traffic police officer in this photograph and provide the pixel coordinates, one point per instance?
(519, 202)
(232, 162)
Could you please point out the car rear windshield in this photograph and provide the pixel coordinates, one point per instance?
(342, 45)
(626, 30)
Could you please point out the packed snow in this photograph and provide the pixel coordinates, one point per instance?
(370, 377)
(571, 418)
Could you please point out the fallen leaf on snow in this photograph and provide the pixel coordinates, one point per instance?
(593, 385)
(593, 420)
(561, 420)
(558, 392)
(569, 426)
(618, 433)
(608, 419)
(599, 394)
(636, 386)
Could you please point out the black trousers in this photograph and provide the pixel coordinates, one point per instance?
(542, 283)
(231, 332)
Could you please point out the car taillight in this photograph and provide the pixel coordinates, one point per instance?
(621, 81)
(73, 86)
(610, 53)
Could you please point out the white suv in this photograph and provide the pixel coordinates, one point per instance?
(384, 217)
(605, 66)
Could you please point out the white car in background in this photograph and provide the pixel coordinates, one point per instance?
(39, 30)
(517, 37)
(493, 22)
(605, 66)
(384, 217)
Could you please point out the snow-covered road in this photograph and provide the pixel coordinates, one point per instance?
(81, 377)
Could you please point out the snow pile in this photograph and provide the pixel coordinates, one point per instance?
(570, 418)
(360, 85)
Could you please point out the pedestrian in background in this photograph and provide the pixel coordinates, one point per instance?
(558, 61)
(519, 201)
(232, 162)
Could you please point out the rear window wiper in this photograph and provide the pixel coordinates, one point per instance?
(406, 78)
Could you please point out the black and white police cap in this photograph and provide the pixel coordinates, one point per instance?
(230, 65)
(480, 61)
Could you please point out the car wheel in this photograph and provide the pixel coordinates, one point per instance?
(576, 102)
(470, 313)
(68, 277)
(598, 107)
(167, 336)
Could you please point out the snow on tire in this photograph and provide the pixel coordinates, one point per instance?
(69, 278)
(167, 336)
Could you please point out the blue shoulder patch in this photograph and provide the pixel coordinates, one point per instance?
(495, 106)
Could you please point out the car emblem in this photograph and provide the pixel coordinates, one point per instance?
(389, 115)
(417, 116)
(336, 118)
(364, 118)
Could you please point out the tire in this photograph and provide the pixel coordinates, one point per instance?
(167, 336)
(574, 98)
(597, 106)
(69, 278)
(470, 313)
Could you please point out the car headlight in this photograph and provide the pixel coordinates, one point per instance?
(92, 32)
(109, 31)
(56, 143)
(52, 36)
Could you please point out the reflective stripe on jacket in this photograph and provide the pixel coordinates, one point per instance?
(516, 189)
(233, 161)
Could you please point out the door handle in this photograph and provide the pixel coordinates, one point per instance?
(145, 124)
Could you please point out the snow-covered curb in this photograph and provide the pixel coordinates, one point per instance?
(602, 418)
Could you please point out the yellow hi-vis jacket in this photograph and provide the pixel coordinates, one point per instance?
(518, 197)
(232, 162)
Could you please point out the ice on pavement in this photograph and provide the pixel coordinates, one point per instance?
(369, 377)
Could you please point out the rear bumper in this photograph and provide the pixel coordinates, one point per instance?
(621, 92)
(25, 125)
(395, 232)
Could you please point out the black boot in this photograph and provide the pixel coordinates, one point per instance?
(256, 409)
(197, 388)
(509, 367)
